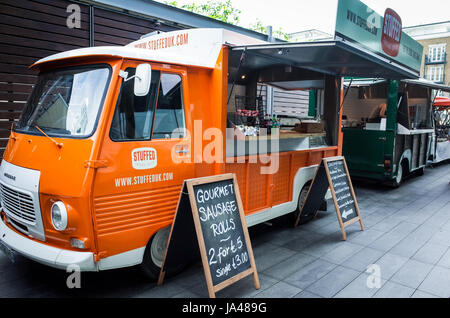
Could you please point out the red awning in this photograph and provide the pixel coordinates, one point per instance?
(442, 102)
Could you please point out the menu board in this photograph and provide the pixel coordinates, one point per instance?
(332, 173)
(222, 229)
(218, 225)
(342, 191)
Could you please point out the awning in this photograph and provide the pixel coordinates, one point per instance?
(419, 82)
(337, 57)
(426, 83)
(442, 102)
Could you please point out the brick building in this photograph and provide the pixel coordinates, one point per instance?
(435, 39)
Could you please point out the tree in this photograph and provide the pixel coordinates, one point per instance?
(219, 10)
(258, 26)
(225, 12)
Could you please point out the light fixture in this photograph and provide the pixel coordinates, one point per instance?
(59, 216)
(77, 243)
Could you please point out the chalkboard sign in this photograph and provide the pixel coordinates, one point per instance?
(333, 173)
(217, 222)
(342, 190)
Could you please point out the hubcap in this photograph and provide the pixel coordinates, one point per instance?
(399, 174)
(158, 248)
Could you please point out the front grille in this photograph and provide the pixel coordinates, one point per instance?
(20, 227)
(18, 204)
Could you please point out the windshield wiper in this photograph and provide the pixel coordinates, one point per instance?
(58, 144)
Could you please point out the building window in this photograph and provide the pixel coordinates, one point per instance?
(436, 53)
(435, 73)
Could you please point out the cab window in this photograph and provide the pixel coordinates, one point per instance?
(169, 117)
(133, 117)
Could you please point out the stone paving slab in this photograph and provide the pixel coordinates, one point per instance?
(404, 252)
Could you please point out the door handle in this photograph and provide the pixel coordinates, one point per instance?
(183, 151)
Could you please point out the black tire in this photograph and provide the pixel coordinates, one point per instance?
(301, 200)
(401, 173)
(154, 255)
(324, 206)
(421, 171)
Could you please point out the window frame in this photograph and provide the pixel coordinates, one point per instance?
(183, 108)
(134, 64)
(100, 108)
(435, 73)
(435, 50)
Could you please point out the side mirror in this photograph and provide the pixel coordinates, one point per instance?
(142, 79)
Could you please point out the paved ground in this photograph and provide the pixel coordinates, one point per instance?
(407, 237)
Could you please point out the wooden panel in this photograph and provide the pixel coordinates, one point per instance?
(54, 7)
(39, 35)
(100, 23)
(16, 69)
(3, 142)
(29, 52)
(17, 88)
(13, 97)
(112, 28)
(9, 115)
(12, 106)
(35, 43)
(4, 133)
(24, 79)
(44, 26)
(131, 20)
(5, 125)
(19, 60)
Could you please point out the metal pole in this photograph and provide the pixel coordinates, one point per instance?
(269, 89)
(91, 26)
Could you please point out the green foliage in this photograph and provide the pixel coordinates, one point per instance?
(258, 26)
(225, 12)
(219, 10)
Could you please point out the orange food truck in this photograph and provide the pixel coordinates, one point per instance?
(94, 167)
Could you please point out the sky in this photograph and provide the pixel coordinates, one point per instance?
(299, 15)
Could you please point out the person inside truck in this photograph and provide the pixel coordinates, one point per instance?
(379, 112)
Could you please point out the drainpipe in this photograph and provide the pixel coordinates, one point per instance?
(269, 89)
(91, 26)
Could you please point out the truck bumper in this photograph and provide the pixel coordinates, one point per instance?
(44, 254)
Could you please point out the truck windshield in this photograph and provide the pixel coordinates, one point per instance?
(66, 102)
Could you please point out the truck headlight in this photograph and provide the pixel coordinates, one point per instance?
(59, 216)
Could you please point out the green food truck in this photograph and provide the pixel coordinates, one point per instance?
(388, 127)
(387, 124)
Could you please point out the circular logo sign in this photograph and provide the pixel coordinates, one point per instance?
(392, 33)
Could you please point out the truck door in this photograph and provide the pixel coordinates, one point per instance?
(137, 191)
(364, 151)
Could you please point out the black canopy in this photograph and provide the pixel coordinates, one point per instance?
(337, 57)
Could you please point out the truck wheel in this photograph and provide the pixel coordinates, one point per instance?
(301, 200)
(154, 253)
(421, 171)
(154, 256)
(402, 170)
